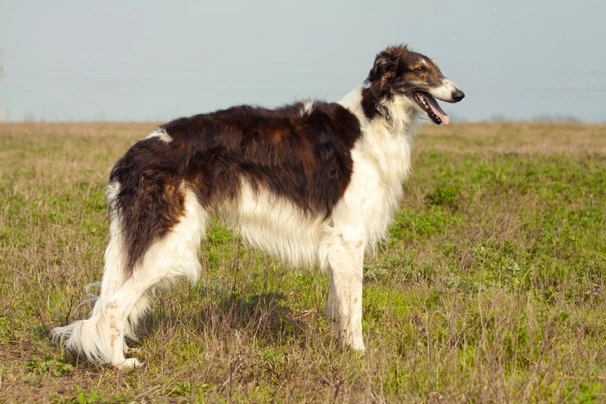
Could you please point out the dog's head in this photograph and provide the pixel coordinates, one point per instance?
(399, 72)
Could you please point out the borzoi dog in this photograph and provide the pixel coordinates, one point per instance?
(310, 183)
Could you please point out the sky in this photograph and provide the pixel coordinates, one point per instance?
(147, 60)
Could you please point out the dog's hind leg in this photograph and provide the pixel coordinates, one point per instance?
(90, 337)
(123, 298)
(345, 255)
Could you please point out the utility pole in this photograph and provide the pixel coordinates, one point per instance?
(1, 77)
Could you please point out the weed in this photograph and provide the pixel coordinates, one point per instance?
(49, 366)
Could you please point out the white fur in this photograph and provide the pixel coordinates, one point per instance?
(444, 92)
(361, 219)
(122, 302)
(161, 134)
(275, 226)
(381, 162)
(307, 108)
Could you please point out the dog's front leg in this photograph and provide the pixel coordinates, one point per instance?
(344, 306)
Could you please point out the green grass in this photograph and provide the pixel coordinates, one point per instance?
(489, 288)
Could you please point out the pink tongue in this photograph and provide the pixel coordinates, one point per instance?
(433, 104)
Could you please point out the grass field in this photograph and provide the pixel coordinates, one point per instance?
(490, 287)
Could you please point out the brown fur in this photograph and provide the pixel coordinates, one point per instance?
(301, 156)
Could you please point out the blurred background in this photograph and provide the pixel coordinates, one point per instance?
(68, 60)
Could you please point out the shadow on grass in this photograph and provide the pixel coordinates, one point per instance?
(265, 317)
(265, 314)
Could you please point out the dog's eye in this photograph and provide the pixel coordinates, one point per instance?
(420, 69)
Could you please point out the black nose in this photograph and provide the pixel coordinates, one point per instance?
(458, 95)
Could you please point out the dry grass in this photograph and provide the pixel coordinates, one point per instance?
(489, 289)
(517, 138)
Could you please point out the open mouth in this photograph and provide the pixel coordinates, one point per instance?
(429, 104)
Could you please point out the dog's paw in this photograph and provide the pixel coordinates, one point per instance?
(130, 363)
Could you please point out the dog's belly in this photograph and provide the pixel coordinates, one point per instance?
(276, 226)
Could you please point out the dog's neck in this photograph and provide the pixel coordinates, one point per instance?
(397, 114)
(391, 144)
(403, 116)
(382, 110)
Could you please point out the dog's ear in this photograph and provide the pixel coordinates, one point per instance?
(384, 70)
